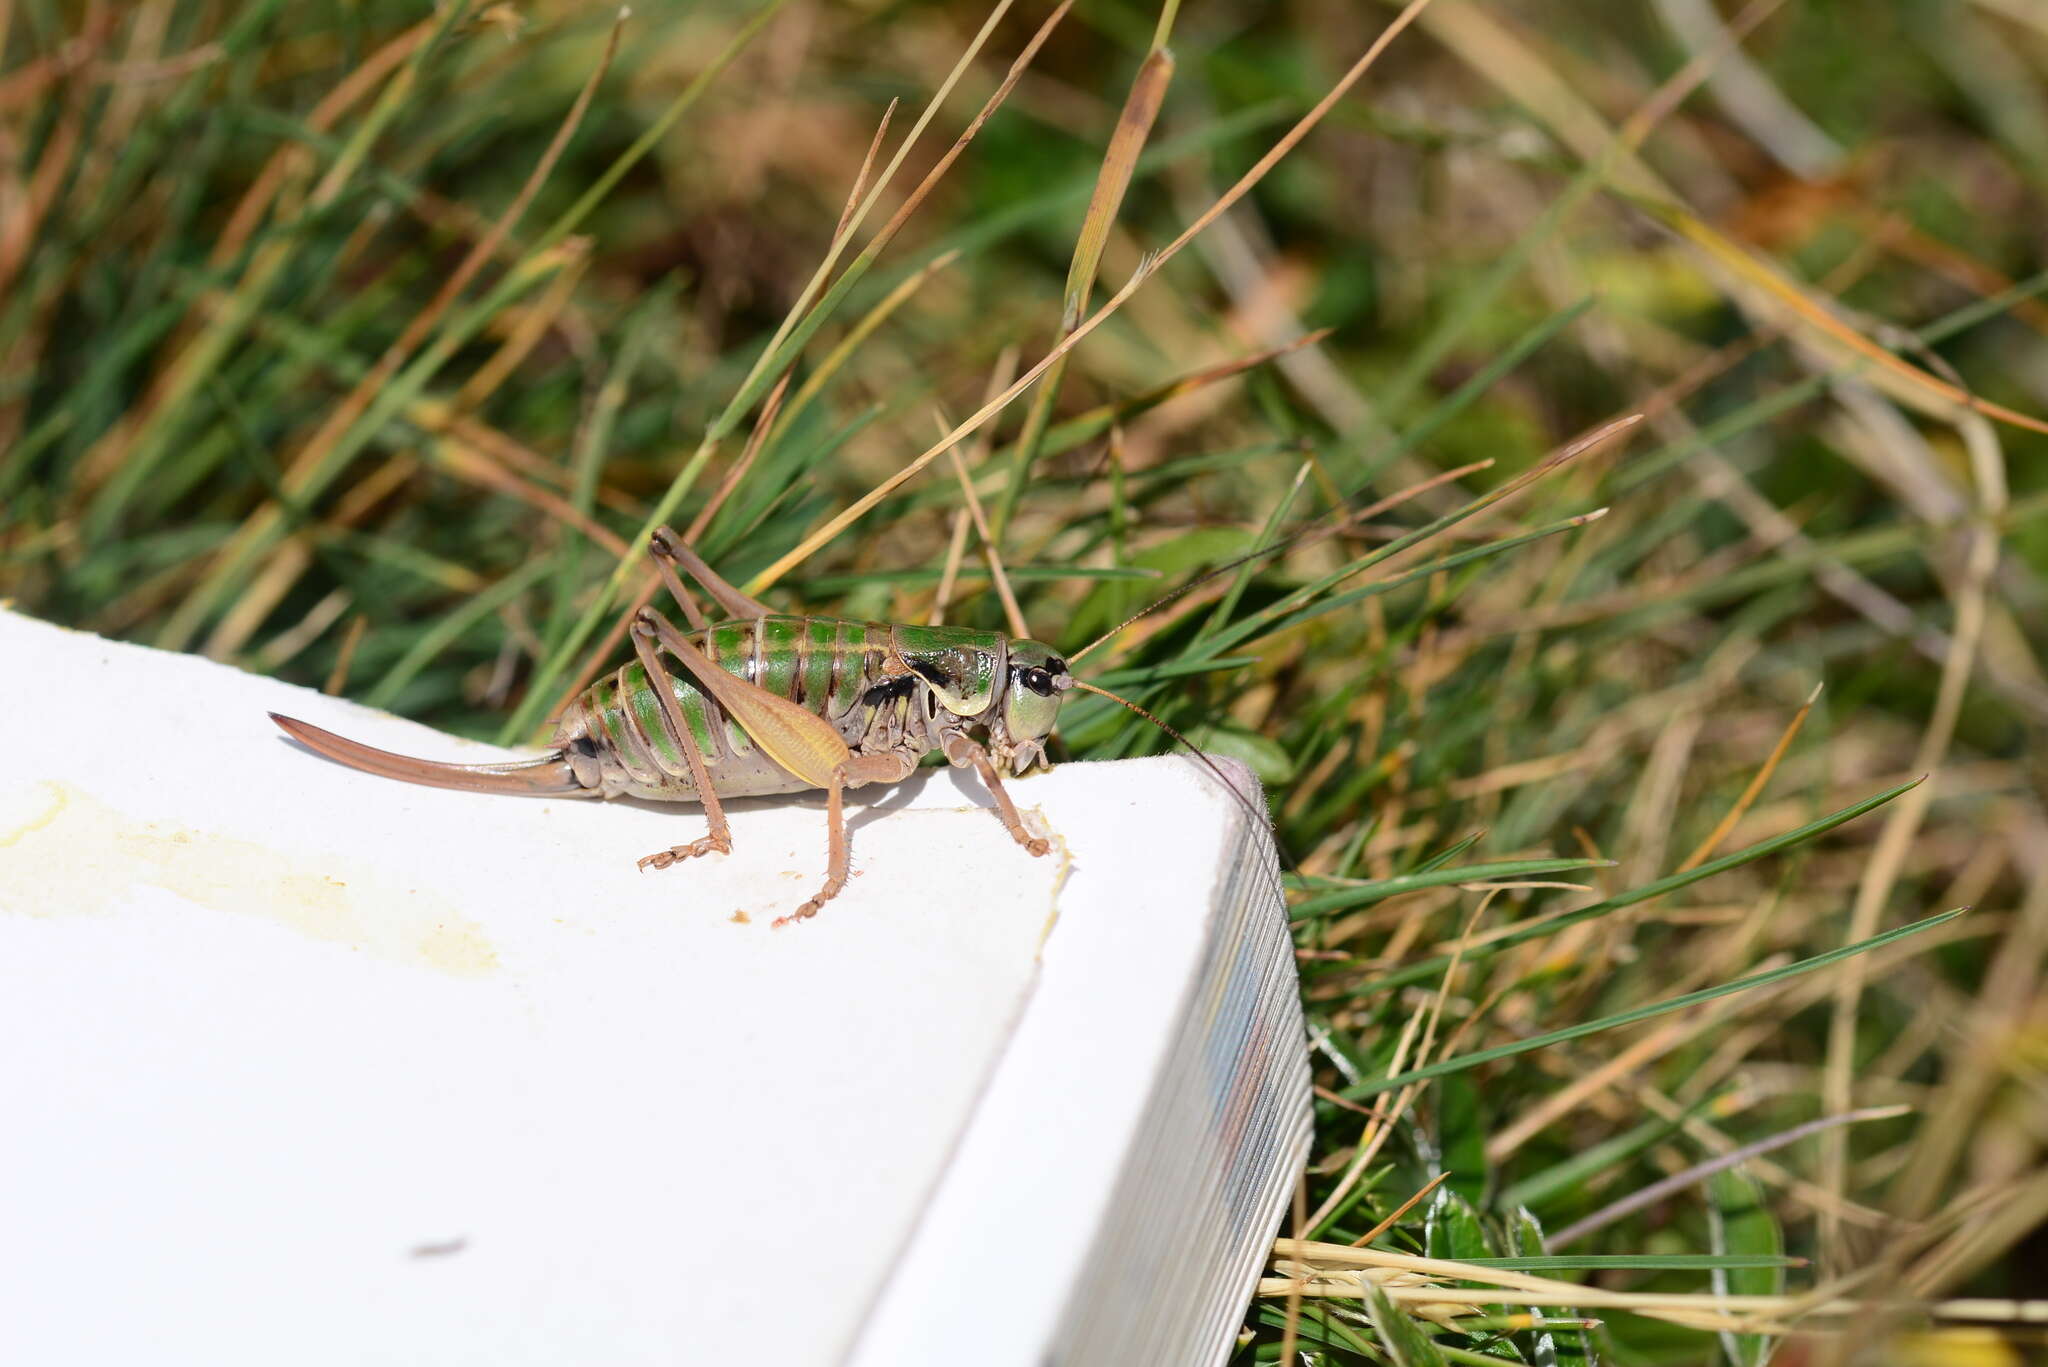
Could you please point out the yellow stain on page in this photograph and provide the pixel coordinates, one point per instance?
(63, 852)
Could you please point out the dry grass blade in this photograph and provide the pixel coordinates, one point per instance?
(835, 360)
(849, 224)
(1005, 367)
(1112, 182)
(1902, 823)
(1556, 1105)
(472, 463)
(263, 191)
(1309, 537)
(763, 425)
(1394, 1217)
(1491, 45)
(1422, 1285)
(771, 407)
(128, 444)
(1818, 321)
(1380, 1127)
(1012, 613)
(860, 180)
(1119, 164)
(956, 550)
(1025, 56)
(33, 201)
(530, 324)
(1700, 1172)
(337, 678)
(28, 83)
(810, 544)
(1755, 788)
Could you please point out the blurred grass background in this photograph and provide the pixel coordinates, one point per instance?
(294, 373)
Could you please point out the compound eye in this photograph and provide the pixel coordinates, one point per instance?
(1056, 665)
(1038, 681)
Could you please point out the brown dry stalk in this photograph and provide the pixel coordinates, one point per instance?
(256, 201)
(475, 465)
(1187, 602)
(1755, 788)
(860, 180)
(530, 323)
(755, 441)
(1488, 42)
(1380, 1130)
(337, 679)
(1005, 367)
(1112, 183)
(764, 421)
(1421, 1194)
(1902, 822)
(1700, 1172)
(33, 201)
(850, 224)
(956, 550)
(835, 360)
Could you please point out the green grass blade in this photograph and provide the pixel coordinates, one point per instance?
(1429, 968)
(1642, 1013)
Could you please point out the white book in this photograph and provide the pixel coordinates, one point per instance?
(306, 1066)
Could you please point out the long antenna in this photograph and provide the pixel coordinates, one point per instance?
(1260, 816)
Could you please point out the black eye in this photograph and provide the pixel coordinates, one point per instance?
(1056, 665)
(1038, 681)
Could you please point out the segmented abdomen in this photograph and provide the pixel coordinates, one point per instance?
(822, 664)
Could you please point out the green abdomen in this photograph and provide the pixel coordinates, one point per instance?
(822, 664)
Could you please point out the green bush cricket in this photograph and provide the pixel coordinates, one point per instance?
(769, 704)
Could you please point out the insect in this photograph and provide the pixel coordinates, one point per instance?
(772, 704)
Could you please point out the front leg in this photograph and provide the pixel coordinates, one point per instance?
(961, 751)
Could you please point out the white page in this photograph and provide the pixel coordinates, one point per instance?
(302, 1065)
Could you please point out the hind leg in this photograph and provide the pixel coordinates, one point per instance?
(677, 728)
(670, 553)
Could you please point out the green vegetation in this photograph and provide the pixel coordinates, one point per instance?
(358, 344)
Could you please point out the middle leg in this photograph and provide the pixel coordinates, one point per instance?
(856, 772)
